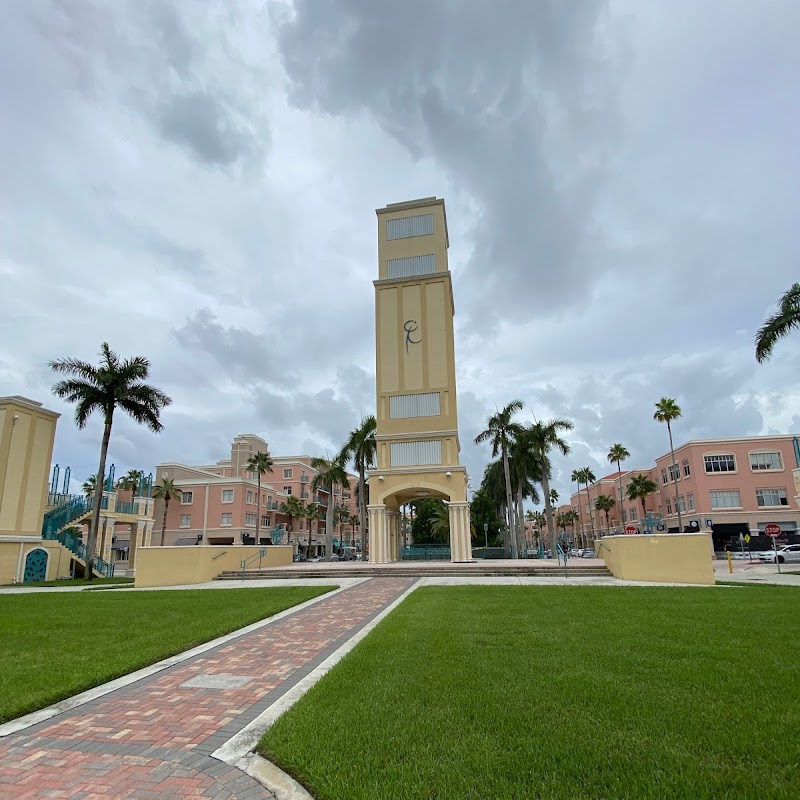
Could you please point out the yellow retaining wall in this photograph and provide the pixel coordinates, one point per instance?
(12, 559)
(176, 566)
(668, 558)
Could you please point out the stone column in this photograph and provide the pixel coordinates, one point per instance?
(460, 541)
(394, 535)
(138, 533)
(148, 533)
(379, 552)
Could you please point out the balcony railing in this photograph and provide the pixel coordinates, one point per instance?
(322, 501)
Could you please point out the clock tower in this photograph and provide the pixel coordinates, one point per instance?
(417, 414)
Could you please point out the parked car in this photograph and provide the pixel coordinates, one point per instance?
(789, 553)
(298, 557)
(588, 554)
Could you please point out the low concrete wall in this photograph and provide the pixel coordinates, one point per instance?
(175, 566)
(668, 558)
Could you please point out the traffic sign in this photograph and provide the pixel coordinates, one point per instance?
(772, 529)
(747, 538)
(630, 529)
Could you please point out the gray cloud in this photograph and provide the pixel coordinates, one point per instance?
(200, 121)
(196, 182)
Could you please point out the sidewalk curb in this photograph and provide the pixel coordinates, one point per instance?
(283, 786)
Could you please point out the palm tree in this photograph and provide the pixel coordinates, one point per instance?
(114, 384)
(616, 455)
(440, 523)
(525, 471)
(330, 474)
(361, 448)
(638, 489)
(668, 410)
(493, 484)
(89, 486)
(577, 477)
(546, 436)
(779, 324)
(293, 509)
(352, 521)
(130, 481)
(259, 463)
(605, 503)
(311, 513)
(501, 431)
(571, 518)
(588, 477)
(166, 491)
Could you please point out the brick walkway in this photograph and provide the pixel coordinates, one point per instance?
(153, 739)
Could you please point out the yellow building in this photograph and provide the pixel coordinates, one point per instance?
(417, 415)
(27, 432)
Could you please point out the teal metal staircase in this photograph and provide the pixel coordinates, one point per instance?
(55, 526)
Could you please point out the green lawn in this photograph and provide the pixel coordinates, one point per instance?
(559, 692)
(55, 645)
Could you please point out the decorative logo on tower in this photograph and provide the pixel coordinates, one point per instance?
(410, 326)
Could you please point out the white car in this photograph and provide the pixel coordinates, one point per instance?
(787, 554)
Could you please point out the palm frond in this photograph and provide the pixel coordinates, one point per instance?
(780, 324)
(74, 366)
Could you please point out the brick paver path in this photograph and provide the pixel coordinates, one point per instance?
(153, 739)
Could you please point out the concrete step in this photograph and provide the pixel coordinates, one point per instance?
(417, 571)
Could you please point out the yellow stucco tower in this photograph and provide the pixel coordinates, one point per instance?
(417, 415)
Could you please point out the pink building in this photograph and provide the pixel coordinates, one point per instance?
(728, 486)
(220, 501)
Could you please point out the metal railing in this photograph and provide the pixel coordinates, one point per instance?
(259, 555)
(431, 552)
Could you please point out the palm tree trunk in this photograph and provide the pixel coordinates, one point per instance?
(258, 507)
(91, 538)
(164, 520)
(520, 523)
(362, 509)
(548, 507)
(329, 526)
(672, 451)
(509, 504)
(580, 516)
(619, 499)
(591, 516)
(310, 523)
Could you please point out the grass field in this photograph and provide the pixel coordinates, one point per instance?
(559, 692)
(55, 645)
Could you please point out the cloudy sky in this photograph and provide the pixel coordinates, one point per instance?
(196, 182)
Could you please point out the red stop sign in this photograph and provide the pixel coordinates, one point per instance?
(631, 529)
(772, 529)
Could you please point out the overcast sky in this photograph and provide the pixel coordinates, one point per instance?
(196, 182)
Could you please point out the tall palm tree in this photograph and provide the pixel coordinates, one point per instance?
(571, 518)
(616, 455)
(588, 477)
(605, 502)
(779, 324)
(577, 477)
(547, 436)
(361, 448)
(114, 384)
(501, 431)
(166, 491)
(293, 509)
(259, 463)
(352, 521)
(311, 513)
(638, 489)
(330, 474)
(526, 471)
(667, 410)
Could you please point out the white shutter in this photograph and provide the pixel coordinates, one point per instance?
(402, 406)
(406, 227)
(416, 454)
(413, 265)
